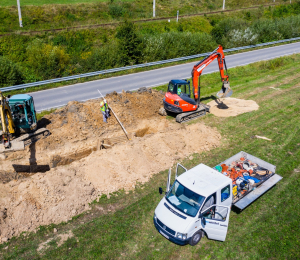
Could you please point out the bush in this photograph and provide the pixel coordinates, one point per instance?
(224, 26)
(130, 44)
(116, 11)
(240, 38)
(10, 74)
(46, 60)
(176, 44)
(102, 58)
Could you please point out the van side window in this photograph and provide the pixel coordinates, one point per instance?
(211, 200)
(225, 193)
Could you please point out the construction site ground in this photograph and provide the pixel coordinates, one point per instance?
(116, 189)
(80, 171)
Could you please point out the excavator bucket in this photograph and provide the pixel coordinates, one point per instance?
(226, 91)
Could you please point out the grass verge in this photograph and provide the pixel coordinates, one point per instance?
(267, 229)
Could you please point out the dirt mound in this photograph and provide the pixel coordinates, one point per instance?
(49, 197)
(79, 125)
(226, 107)
(78, 121)
(80, 172)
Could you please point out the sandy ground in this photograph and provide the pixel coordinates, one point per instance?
(227, 107)
(65, 191)
(30, 200)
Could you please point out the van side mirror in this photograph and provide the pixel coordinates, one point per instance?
(8, 96)
(203, 221)
(160, 190)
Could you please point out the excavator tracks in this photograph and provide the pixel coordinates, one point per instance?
(185, 117)
(30, 138)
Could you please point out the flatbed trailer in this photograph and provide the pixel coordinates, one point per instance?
(267, 182)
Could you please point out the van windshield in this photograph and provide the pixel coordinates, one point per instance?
(184, 199)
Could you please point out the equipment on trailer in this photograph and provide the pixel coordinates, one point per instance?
(18, 116)
(181, 101)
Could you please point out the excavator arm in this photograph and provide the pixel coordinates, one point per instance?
(8, 126)
(200, 66)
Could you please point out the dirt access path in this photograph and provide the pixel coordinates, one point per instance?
(79, 172)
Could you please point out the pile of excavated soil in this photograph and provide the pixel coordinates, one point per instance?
(65, 191)
(79, 125)
(227, 107)
(28, 200)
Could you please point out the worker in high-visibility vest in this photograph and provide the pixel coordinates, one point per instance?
(104, 110)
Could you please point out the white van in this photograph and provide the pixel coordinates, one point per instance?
(199, 202)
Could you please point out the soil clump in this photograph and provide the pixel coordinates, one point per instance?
(227, 107)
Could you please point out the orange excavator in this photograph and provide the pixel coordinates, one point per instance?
(178, 98)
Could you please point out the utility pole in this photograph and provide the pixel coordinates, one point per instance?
(223, 4)
(177, 16)
(153, 8)
(19, 12)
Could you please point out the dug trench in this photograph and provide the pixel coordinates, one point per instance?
(80, 171)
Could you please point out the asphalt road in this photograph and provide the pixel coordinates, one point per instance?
(57, 97)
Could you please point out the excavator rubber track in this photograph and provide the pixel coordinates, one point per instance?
(185, 117)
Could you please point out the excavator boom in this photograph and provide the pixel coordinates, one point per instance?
(200, 66)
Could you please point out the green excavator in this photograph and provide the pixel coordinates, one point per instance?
(19, 123)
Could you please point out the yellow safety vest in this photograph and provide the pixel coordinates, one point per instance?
(102, 106)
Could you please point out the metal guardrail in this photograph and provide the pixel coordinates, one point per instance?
(96, 73)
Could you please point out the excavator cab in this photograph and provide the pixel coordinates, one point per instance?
(180, 88)
(19, 123)
(23, 112)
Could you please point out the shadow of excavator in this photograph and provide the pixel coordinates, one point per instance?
(220, 104)
(33, 167)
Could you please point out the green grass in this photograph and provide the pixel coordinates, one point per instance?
(43, 113)
(267, 229)
(49, 2)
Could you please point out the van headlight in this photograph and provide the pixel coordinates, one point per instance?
(181, 236)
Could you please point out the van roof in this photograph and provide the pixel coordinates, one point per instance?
(203, 180)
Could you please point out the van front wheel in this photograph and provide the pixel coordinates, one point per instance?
(195, 239)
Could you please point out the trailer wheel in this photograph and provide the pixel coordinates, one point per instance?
(195, 239)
